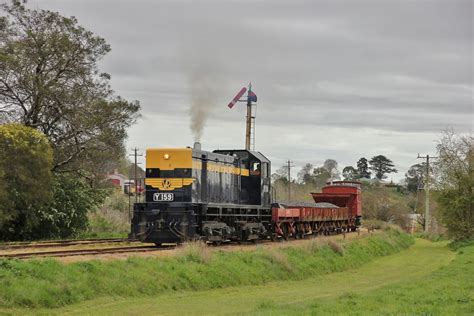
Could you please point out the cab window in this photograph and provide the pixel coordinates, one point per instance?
(255, 168)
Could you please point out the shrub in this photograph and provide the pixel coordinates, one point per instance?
(25, 179)
(66, 215)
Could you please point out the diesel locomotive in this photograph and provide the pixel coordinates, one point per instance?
(195, 194)
(225, 195)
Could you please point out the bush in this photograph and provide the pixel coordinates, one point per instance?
(34, 203)
(66, 215)
(25, 179)
(111, 218)
(385, 204)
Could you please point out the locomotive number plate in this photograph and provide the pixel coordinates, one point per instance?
(163, 197)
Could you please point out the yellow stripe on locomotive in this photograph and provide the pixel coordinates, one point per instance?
(168, 184)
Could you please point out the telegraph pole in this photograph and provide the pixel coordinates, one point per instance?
(136, 155)
(289, 166)
(427, 190)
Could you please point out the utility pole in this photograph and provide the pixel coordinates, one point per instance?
(427, 190)
(289, 166)
(136, 155)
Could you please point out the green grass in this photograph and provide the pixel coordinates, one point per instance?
(447, 291)
(48, 283)
(368, 289)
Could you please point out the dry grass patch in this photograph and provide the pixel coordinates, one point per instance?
(315, 244)
(336, 247)
(196, 251)
(278, 257)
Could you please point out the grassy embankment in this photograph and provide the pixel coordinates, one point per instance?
(49, 283)
(409, 282)
(446, 291)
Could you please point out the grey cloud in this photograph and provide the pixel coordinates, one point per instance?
(403, 68)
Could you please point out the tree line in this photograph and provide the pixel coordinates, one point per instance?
(63, 127)
(380, 166)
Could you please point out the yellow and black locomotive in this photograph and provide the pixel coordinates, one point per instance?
(193, 194)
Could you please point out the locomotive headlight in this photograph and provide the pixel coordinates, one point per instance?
(166, 156)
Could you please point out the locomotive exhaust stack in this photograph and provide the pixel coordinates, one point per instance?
(197, 146)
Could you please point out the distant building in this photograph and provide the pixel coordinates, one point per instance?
(118, 180)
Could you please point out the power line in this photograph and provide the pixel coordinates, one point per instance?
(427, 190)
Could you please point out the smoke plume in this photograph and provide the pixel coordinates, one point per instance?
(204, 93)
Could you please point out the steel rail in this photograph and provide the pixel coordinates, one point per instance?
(81, 252)
(63, 243)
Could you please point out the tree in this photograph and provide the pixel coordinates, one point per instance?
(304, 175)
(50, 81)
(363, 168)
(385, 204)
(320, 176)
(25, 176)
(349, 173)
(381, 165)
(331, 166)
(280, 175)
(455, 183)
(414, 177)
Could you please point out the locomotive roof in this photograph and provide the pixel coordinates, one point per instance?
(256, 154)
(260, 156)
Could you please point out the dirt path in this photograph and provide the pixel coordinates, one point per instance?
(411, 264)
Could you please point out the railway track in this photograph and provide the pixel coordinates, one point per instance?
(81, 252)
(58, 252)
(62, 243)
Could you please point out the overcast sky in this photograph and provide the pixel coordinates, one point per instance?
(334, 79)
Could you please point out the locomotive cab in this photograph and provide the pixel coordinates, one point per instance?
(255, 189)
